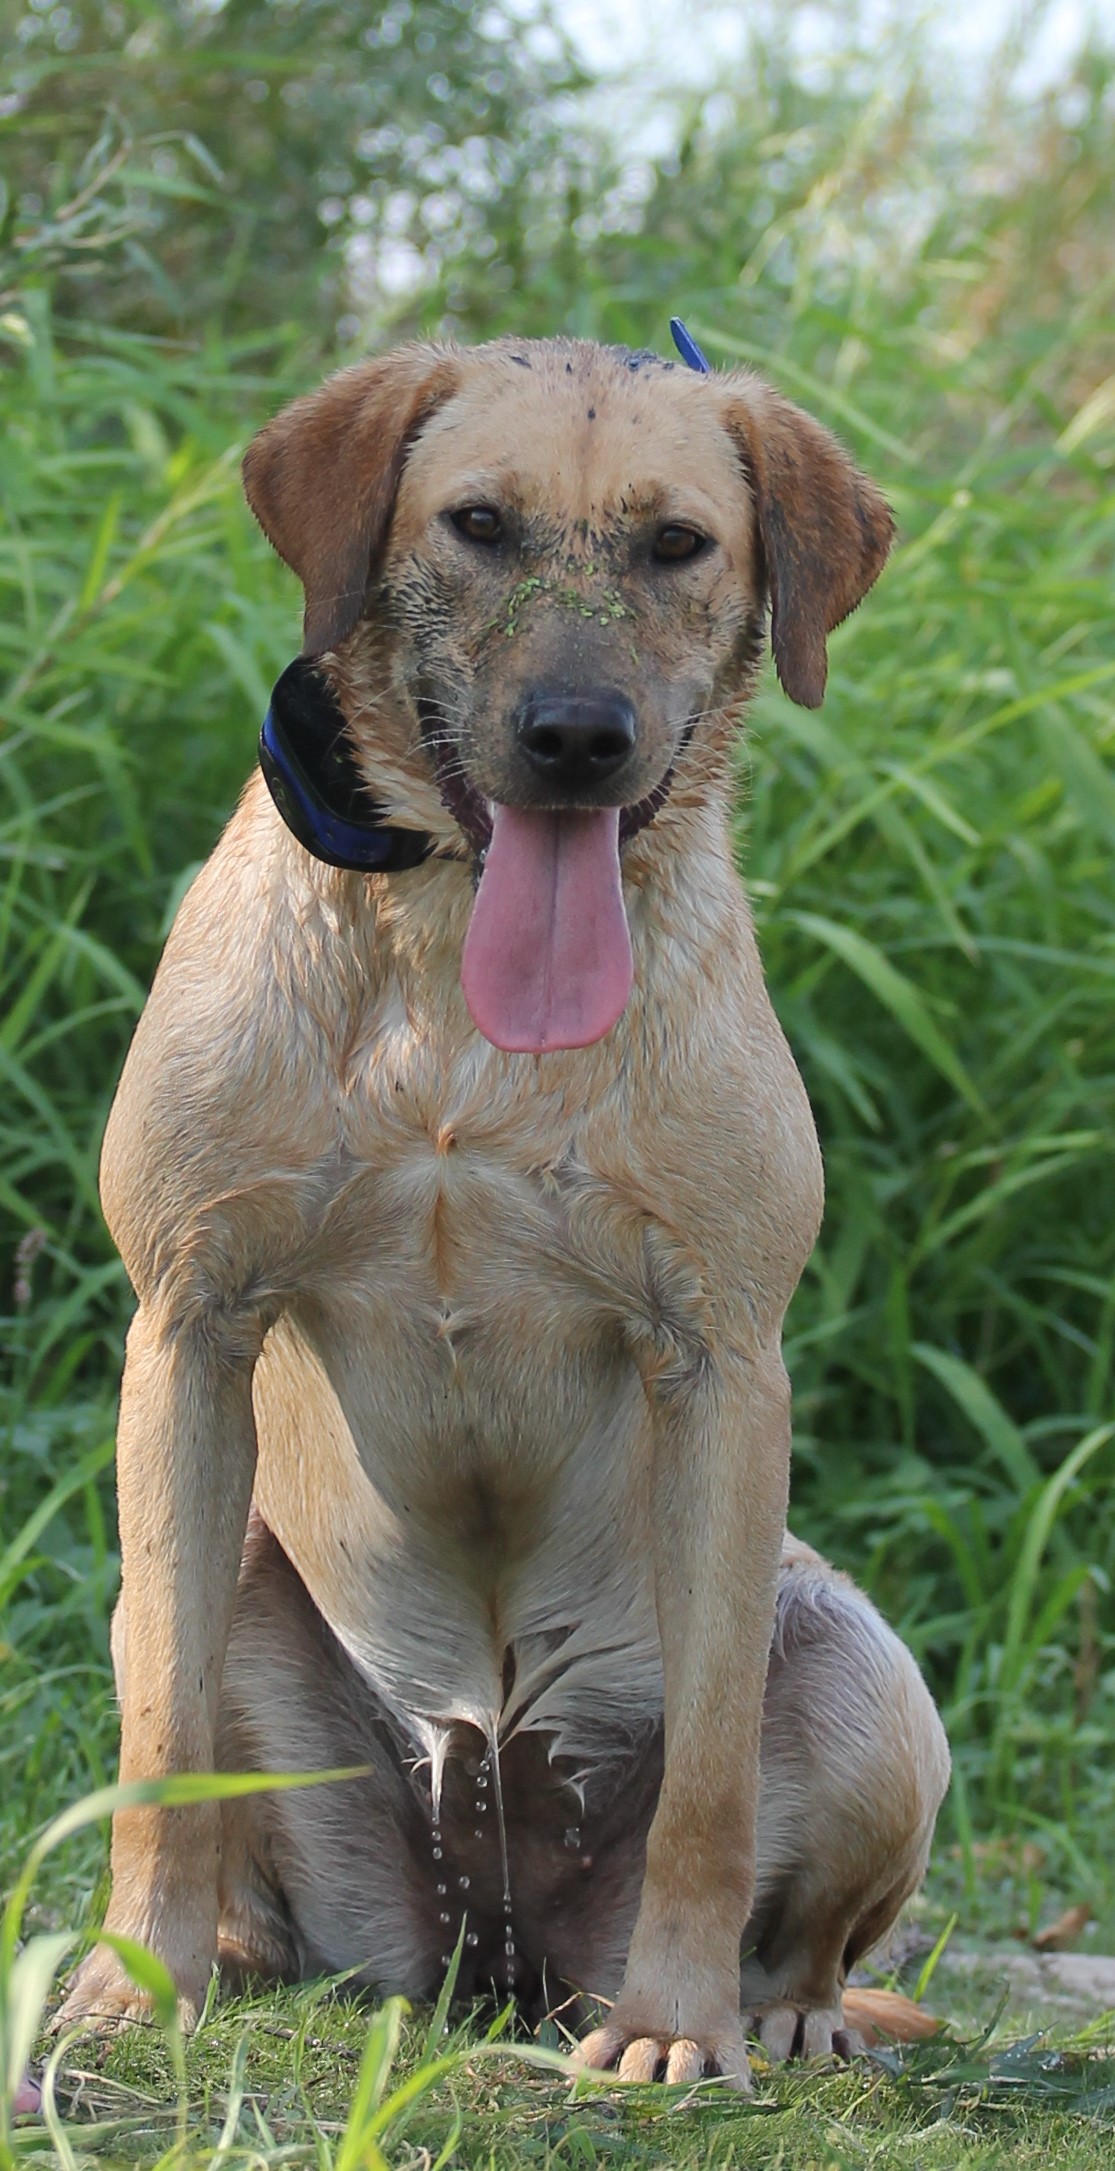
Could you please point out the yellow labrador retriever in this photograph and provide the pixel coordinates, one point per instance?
(464, 1201)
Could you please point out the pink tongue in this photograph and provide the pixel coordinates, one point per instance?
(547, 958)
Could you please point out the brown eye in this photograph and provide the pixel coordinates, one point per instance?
(479, 523)
(674, 543)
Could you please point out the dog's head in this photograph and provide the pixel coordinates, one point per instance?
(563, 556)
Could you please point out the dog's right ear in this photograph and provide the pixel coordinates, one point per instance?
(321, 478)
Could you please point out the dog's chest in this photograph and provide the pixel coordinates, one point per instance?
(471, 1514)
(490, 1219)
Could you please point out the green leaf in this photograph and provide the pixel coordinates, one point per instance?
(16, 1552)
(23, 1997)
(148, 1973)
(896, 993)
(1039, 1527)
(983, 1411)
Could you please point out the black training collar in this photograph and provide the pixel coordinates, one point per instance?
(317, 787)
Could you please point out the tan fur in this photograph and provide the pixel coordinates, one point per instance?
(885, 2016)
(496, 1339)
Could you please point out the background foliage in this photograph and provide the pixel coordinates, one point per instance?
(264, 148)
(206, 205)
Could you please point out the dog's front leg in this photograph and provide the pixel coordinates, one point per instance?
(186, 1459)
(719, 1492)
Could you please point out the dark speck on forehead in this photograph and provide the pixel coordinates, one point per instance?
(640, 358)
(592, 414)
(522, 361)
(569, 369)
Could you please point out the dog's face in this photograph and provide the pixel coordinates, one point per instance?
(563, 554)
(573, 570)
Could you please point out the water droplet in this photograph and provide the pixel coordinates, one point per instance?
(437, 1854)
(481, 1778)
(446, 1958)
(479, 1832)
(573, 1837)
(441, 1891)
(472, 1937)
(445, 1918)
(480, 1808)
(464, 1883)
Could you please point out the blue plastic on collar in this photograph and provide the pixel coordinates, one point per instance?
(366, 848)
(317, 786)
(688, 349)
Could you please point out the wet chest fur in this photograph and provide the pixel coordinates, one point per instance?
(453, 1418)
(491, 1264)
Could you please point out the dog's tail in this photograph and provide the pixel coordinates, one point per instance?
(885, 2016)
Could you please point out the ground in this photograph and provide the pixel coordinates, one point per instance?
(1023, 2074)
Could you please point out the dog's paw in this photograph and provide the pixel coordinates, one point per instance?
(634, 2056)
(786, 2031)
(102, 1998)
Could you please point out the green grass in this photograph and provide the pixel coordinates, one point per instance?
(930, 859)
(278, 2078)
(315, 2076)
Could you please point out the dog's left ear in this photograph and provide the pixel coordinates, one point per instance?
(321, 478)
(825, 529)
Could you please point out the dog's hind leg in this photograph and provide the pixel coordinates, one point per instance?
(317, 1879)
(854, 1767)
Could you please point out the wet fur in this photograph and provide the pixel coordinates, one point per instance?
(504, 1331)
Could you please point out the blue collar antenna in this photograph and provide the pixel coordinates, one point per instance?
(688, 349)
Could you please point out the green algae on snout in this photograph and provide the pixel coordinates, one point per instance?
(607, 609)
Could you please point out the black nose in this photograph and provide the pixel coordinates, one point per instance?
(576, 740)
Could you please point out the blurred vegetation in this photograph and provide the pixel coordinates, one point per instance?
(208, 205)
(259, 151)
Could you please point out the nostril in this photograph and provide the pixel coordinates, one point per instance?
(577, 740)
(549, 743)
(544, 742)
(611, 744)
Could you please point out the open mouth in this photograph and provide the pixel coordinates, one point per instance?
(547, 959)
(472, 812)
